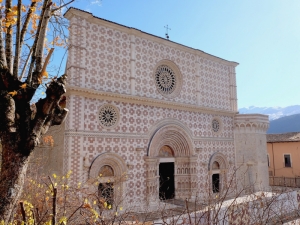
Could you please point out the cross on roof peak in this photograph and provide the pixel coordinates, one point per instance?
(167, 31)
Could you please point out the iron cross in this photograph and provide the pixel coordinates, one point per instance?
(167, 31)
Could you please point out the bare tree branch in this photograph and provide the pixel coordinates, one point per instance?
(18, 44)
(8, 38)
(34, 46)
(25, 65)
(41, 39)
(54, 10)
(2, 51)
(26, 22)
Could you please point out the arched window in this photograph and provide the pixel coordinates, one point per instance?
(106, 194)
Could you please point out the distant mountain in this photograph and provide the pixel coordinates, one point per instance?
(273, 112)
(285, 124)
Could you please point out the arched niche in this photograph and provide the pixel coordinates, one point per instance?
(218, 167)
(109, 172)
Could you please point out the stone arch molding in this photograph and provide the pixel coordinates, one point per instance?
(221, 159)
(174, 136)
(110, 159)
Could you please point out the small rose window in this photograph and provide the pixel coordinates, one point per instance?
(215, 125)
(108, 116)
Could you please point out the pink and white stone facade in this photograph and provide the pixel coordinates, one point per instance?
(110, 64)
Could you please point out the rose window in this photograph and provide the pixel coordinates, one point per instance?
(165, 79)
(108, 116)
(215, 125)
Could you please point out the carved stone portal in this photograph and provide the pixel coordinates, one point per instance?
(171, 143)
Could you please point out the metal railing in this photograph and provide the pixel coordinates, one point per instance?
(285, 181)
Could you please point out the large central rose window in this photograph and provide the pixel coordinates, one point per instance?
(165, 79)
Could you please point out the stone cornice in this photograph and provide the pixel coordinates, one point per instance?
(93, 19)
(90, 93)
(105, 134)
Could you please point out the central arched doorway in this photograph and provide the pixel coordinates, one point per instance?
(171, 165)
(166, 174)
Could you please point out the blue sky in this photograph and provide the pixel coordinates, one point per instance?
(263, 36)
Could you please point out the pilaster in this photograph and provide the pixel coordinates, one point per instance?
(76, 65)
(233, 94)
(152, 180)
(198, 74)
(132, 65)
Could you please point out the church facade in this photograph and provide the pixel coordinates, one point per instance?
(159, 114)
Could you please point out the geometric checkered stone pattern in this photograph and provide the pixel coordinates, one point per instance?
(193, 115)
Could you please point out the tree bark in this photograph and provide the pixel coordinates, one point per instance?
(12, 177)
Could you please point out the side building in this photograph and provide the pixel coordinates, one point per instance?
(284, 154)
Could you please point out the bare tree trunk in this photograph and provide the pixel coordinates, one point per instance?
(12, 176)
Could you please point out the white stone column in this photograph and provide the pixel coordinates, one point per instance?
(152, 181)
(132, 65)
